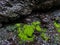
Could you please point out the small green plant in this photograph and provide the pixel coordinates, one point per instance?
(57, 25)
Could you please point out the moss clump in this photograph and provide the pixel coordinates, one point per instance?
(38, 28)
(35, 23)
(26, 31)
(57, 25)
(44, 36)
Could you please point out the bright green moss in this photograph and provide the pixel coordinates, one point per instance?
(36, 23)
(38, 28)
(18, 24)
(24, 37)
(26, 31)
(57, 25)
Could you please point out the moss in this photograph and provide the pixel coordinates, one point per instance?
(36, 23)
(18, 24)
(57, 25)
(58, 30)
(44, 36)
(44, 30)
(38, 28)
(21, 35)
(26, 31)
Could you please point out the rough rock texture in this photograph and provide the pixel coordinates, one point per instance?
(26, 12)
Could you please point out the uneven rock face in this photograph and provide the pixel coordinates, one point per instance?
(13, 8)
(26, 12)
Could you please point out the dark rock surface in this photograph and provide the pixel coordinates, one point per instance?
(27, 11)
